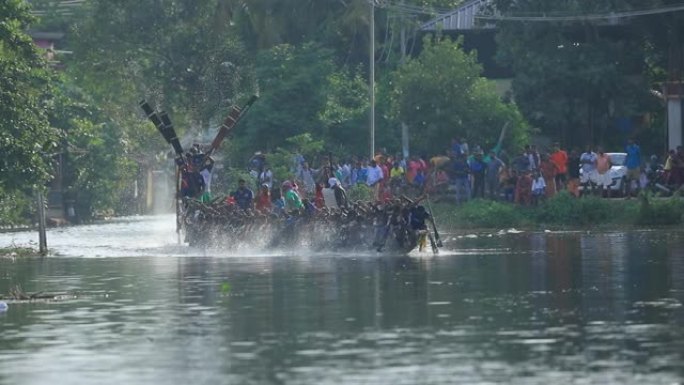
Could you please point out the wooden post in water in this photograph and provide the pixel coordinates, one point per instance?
(42, 233)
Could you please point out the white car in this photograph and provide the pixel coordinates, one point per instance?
(617, 172)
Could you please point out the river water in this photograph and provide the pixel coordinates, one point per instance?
(502, 307)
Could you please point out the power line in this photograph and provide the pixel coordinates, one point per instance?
(605, 16)
(406, 9)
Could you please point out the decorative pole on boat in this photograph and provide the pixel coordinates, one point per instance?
(163, 124)
(236, 114)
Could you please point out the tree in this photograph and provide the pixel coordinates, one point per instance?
(576, 79)
(178, 52)
(440, 94)
(344, 116)
(99, 163)
(282, 159)
(338, 25)
(292, 81)
(26, 139)
(303, 90)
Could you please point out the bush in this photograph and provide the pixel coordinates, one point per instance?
(565, 209)
(659, 212)
(562, 208)
(360, 192)
(15, 209)
(486, 213)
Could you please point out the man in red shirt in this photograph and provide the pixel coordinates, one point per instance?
(560, 159)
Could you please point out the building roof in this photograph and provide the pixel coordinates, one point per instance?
(52, 36)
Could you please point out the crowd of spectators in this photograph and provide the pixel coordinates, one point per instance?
(463, 173)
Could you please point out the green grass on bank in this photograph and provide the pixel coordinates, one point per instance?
(562, 211)
(18, 252)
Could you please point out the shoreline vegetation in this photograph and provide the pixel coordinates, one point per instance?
(563, 211)
(12, 252)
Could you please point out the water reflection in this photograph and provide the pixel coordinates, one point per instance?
(561, 307)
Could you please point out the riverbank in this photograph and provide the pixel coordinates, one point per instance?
(18, 252)
(563, 211)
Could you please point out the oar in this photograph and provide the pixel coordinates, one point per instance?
(435, 249)
(385, 234)
(434, 226)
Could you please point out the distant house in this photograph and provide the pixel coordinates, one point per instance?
(477, 34)
(48, 42)
(462, 18)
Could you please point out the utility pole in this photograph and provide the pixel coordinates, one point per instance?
(42, 233)
(404, 126)
(674, 90)
(372, 78)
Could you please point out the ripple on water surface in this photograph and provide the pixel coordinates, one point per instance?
(521, 308)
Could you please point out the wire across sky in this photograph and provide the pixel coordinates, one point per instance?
(398, 6)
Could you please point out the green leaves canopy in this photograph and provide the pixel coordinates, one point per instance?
(440, 94)
(303, 91)
(26, 140)
(575, 79)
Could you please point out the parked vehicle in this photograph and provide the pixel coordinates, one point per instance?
(657, 180)
(617, 172)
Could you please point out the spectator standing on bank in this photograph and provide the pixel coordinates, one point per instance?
(603, 171)
(306, 176)
(521, 163)
(494, 168)
(375, 177)
(532, 160)
(455, 147)
(574, 173)
(464, 147)
(560, 158)
(548, 170)
(588, 176)
(477, 169)
(538, 188)
(460, 171)
(633, 164)
(523, 189)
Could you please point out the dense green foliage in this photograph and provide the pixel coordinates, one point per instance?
(440, 94)
(91, 145)
(309, 62)
(562, 211)
(18, 252)
(282, 159)
(585, 81)
(26, 140)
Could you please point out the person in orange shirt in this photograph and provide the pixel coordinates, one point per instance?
(549, 170)
(523, 189)
(560, 159)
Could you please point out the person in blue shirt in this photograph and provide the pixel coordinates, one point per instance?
(419, 180)
(244, 197)
(456, 147)
(362, 173)
(633, 164)
(477, 169)
(459, 176)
